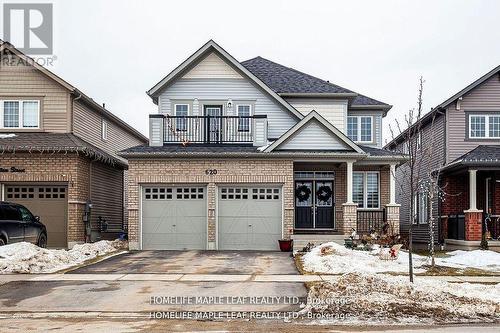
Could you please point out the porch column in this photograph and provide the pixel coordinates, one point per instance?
(349, 208)
(473, 216)
(392, 185)
(349, 182)
(472, 190)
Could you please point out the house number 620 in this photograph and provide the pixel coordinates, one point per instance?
(211, 172)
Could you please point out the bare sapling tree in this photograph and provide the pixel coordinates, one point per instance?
(430, 187)
(408, 141)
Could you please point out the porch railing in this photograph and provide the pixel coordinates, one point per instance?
(456, 226)
(493, 225)
(209, 129)
(370, 220)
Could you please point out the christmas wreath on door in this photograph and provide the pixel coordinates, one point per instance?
(324, 193)
(302, 192)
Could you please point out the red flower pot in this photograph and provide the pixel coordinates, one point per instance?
(286, 245)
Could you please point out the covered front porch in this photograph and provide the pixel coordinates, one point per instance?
(332, 199)
(471, 207)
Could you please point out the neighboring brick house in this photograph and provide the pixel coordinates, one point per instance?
(241, 155)
(463, 133)
(58, 151)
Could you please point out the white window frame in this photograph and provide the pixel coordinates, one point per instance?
(486, 126)
(104, 130)
(421, 217)
(249, 119)
(21, 113)
(185, 121)
(358, 139)
(365, 189)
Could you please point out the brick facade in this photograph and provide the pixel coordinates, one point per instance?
(229, 171)
(457, 195)
(144, 171)
(473, 225)
(70, 169)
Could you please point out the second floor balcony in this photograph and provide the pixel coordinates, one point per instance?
(166, 129)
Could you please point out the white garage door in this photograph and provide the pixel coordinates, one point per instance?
(174, 218)
(249, 217)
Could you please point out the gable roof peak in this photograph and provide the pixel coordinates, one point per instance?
(311, 116)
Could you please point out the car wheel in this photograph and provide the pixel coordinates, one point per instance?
(42, 241)
(2, 241)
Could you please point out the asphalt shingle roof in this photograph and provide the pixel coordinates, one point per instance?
(282, 79)
(481, 154)
(53, 143)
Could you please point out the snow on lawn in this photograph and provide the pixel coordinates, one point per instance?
(339, 260)
(486, 260)
(28, 258)
(372, 298)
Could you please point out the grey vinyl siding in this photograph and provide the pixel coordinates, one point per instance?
(206, 90)
(434, 138)
(24, 81)
(87, 125)
(485, 97)
(377, 126)
(313, 136)
(106, 194)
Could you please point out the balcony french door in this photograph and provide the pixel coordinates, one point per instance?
(214, 123)
(314, 204)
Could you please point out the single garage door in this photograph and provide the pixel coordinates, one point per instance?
(174, 218)
(50, 202)
(249, 217)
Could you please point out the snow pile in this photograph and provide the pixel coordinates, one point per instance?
(333, 258)
(365, 297)
(28, 258)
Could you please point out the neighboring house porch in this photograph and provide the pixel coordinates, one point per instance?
(472, 186)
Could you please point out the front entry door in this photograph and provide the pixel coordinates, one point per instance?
(214, 123)
(314, 205)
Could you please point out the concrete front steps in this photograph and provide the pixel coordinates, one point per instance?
(300, 241)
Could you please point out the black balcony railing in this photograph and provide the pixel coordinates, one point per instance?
(370, 221)
(209, 129)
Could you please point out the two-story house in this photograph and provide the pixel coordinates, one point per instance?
(463, 134)
(58, 152)
(242, 154)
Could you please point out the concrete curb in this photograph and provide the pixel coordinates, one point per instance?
(5, 278)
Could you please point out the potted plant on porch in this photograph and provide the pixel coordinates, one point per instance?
(286, 244)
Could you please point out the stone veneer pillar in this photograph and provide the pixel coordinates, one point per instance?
(350, 216)
(392, 216)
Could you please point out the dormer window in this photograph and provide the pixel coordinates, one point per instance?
(359, 128)
(20, 114)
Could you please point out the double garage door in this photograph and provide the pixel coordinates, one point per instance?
(49, 202)
(175, 217)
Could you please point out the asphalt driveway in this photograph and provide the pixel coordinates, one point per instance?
(195, 262)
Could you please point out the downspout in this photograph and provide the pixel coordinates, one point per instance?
(73, 110)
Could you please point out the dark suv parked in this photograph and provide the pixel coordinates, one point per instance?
(17, 224)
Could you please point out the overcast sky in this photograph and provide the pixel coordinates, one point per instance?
(116, 50)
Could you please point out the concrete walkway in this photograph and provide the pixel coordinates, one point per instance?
(215, 277)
